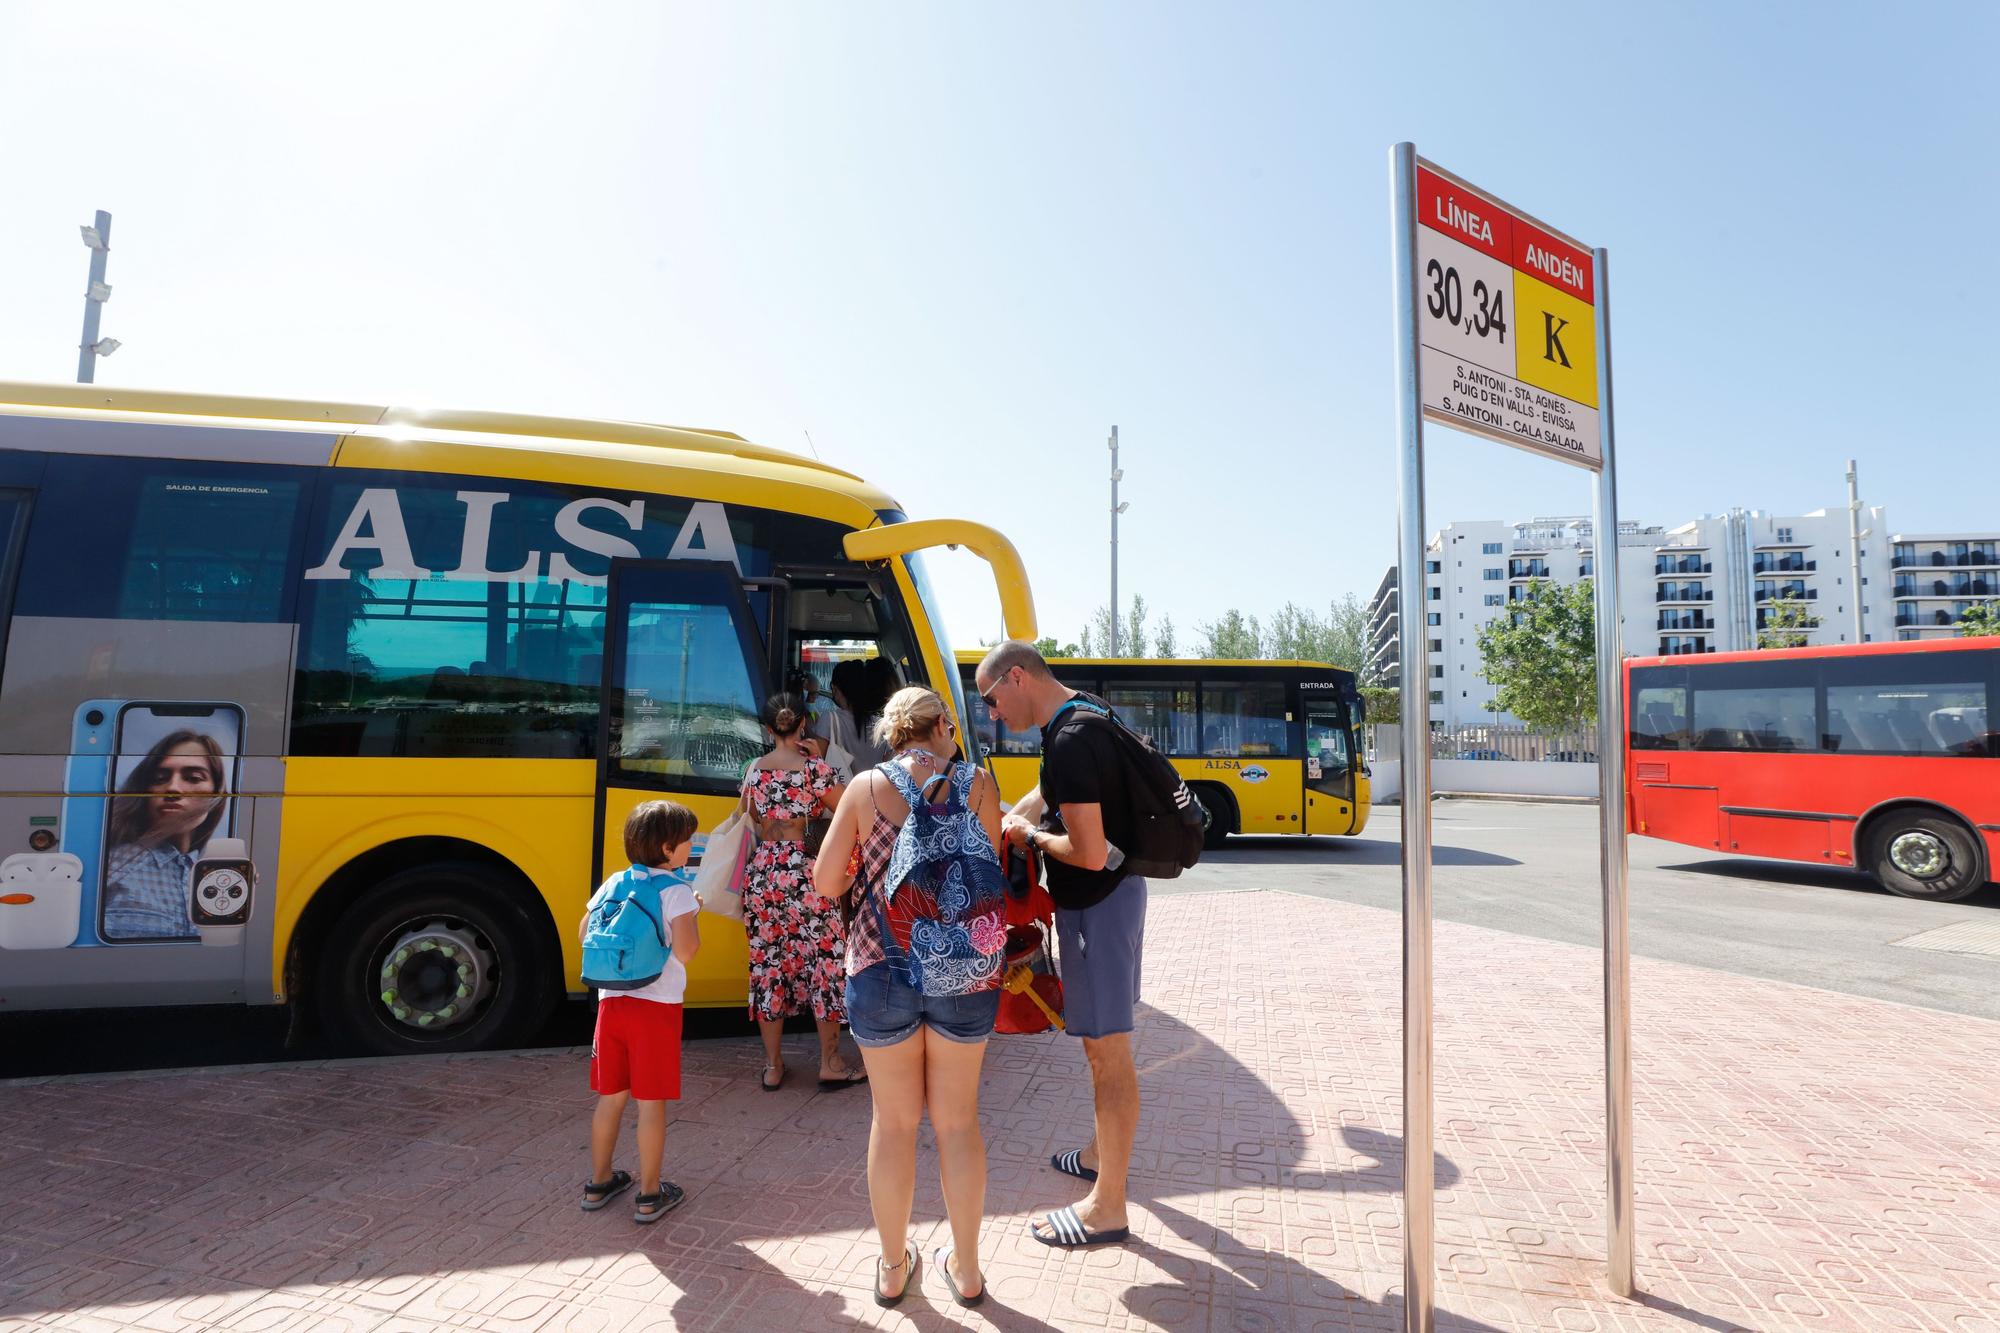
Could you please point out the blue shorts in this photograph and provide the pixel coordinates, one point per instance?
(883, 1009)
(1101, 948)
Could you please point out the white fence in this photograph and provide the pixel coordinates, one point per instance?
(1491, 776)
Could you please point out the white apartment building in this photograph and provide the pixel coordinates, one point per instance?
(1939, 577)
(1705, 586)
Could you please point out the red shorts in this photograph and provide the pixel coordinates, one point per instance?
(636, 1049)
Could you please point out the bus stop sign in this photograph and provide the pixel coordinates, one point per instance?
(1507, 319)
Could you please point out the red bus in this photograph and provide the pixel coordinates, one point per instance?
(1879, 756)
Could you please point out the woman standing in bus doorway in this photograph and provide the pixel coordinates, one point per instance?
(922, 1051)
(797, 944)
(847, 723)
(163, 816)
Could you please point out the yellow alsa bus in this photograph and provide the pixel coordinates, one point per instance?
(348, 705)
(1267, 746)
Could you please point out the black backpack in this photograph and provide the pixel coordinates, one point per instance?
(1167, 822)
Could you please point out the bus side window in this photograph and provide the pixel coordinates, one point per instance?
(1659, 718)
(1244, 719)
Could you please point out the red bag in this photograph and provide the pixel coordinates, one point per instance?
(1030, 964)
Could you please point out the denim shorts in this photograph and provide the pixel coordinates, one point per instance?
(883, 1009)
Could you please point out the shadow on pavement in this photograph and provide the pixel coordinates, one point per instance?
(1336, 852)
(1247, 1286)
(1812, 876)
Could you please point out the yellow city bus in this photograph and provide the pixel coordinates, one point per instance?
(1268, 747)
(347, 705)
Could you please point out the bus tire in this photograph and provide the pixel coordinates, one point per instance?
(432, 959)
(1922, 854)
(1222, 820)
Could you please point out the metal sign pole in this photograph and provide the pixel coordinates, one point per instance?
(1611, 821)
(1419, 1250)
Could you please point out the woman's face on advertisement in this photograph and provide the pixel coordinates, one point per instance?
(184, 786)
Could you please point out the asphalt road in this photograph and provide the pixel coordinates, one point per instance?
(1524, 868)
(1532, 870)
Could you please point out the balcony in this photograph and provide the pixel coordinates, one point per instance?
(1668, 648)
(1789, 564)
(1973, 557)
(1673, 594)
(1663, 568)
(1527, 569)
(1797, 592)
(1682, 621)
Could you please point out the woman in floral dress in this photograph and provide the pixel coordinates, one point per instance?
(798, 949)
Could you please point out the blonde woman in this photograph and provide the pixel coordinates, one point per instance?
(922, 1051)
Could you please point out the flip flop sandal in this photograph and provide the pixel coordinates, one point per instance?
(668, 1199)
(597, 1193)
(1067, 1232)
(912, 1260)
(764, 1079)
(854, 1076)
(941, 1265)
(1071, 1164)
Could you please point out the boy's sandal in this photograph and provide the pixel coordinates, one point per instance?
(941, 1262)
(652, 1207)
(764, 1079)
(1071, 1164)
(1066, 1231)
(911, 1261)
(597, 1193)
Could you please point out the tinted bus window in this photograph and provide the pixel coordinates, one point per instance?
(1659, 718)
(1755, 706)
(1930, 703)
(150, 539)
(449, 616)
(1162, 712)
(1244, 719)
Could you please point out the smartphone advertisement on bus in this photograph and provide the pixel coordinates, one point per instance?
(149, 851)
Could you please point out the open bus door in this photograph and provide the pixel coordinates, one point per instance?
(686, 672)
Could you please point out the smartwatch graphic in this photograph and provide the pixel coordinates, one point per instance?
(223, 881)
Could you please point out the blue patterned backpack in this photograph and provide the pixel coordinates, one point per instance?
(943, 903)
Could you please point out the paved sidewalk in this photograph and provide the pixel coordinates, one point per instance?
(1805, 1161)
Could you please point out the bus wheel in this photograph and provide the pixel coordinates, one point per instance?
(1925, 856)
(1220, 814)
(431, 959)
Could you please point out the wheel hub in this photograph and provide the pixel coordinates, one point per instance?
(435, 975)
(1918, 854)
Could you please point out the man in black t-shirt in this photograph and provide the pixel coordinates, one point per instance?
(1076, 818)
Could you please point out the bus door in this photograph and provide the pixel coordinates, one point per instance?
(686, 671)
(1330, 763)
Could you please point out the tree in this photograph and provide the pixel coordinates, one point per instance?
(1542, 658)
(1382, 704)
(1235, 635)
(1980, 620)
(1050, 648)
(1164, 644)
(1131, 631)
(1346, 639)
(1785, 624)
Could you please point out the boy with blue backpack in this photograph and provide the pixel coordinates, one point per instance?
(638, 934)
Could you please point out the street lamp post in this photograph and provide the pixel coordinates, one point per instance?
(1854, 551)
(1117, 475)
(98, 238)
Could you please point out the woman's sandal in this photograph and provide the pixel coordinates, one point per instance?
(911, 1262)
(653, 1207)
(854, 1076)
(597, 1193)
(941, 1262)
(764, 1079)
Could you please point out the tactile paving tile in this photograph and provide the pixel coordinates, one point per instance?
(1976, 937)
(1804, 1161)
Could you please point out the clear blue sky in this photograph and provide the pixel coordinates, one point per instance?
(957, 242)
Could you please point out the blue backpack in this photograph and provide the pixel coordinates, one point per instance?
(945, 924)
(625, 944)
